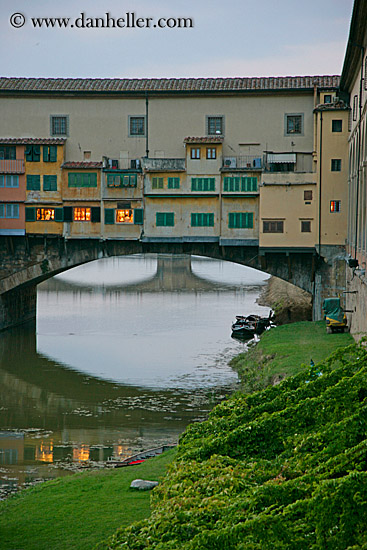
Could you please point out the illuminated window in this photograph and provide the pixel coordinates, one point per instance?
(82, 214)
(124, 216)
(195, 153)
(335, 206)
(45, 214)
(211, 153)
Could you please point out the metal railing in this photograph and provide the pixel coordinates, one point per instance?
(243, 162)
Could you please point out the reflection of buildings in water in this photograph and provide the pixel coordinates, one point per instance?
(11, 448)
(173, 274)
(81, 453)
(44, 452)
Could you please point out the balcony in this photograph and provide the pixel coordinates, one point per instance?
(124, 164)
(244, 162)
(11, 166)
(163, 165)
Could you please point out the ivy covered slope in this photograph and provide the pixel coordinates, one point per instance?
(283, 468)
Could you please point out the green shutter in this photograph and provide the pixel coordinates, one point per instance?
(165, 219)
(59, 214)
(28, 153)
(133, 180)
(46, 153)
(33, 183)
(36, 153)
(30, 214)
(138, 216)
(249, 184)
(53, 153)
(159, 219)
(170, 219)
(95, 214)
(68, 214)
(210, 220)
(194, 220)
(109, 216)
(50, 183)
(226, 183)
(173, 183)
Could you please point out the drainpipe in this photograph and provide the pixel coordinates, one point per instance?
(146, 125)
(359, 151)
(320, 181)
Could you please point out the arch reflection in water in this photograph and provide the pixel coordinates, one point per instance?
(116, 369)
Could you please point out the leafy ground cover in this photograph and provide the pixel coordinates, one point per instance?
(78, 511)
(282, 351)
(282, 468)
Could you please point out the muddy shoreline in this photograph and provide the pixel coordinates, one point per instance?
(289, 303)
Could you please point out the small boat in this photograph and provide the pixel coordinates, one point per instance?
(247, 327)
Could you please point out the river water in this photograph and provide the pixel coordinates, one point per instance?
(125, 354)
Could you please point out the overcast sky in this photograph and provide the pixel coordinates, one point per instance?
(228, 38)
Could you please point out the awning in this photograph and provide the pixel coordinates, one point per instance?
(282, 157)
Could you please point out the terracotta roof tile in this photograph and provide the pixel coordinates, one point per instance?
(82, 164)
(32, 141)
(136, 85)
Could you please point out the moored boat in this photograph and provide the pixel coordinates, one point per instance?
(247, 327)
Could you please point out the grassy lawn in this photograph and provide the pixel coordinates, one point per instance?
(78, 511)
(282, 350)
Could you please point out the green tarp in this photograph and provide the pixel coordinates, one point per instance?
(332, 309)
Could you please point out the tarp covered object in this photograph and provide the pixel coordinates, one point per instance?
(332, 309)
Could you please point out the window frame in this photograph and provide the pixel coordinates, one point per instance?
(202, 219)
(270, 230)
(335, 206)
(130, 216)
(208, 122)
(53, 119)
(87, 210)
(304, 225)
(42, 213)
(131, 120)
(240, 220)
(195, 153)
(164, 219)
(211, 153)
(49, 182)
(288, 116)
(337, 125)
(6, 207)
(336, 165)
(307, 195)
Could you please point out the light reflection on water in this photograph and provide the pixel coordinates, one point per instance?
(128, 351)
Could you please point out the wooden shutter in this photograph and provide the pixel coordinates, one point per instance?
(109, 216)
(138, 216)
(30, 214)
(68, 214)
(95, 214)
(59, 214)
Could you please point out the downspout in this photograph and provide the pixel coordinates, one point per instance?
(146, 125)
(320, 181)
(359, 152)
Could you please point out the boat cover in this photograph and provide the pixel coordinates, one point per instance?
(333, 310)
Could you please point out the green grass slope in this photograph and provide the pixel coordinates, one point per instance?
(76, 512)
(283, 468)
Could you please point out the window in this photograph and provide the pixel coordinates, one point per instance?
(307, 195)
(173, 183)
(49, 153)
(33, 153)
(33, 182)
(157, 183)
(241, 220)
(215, 125)
(9, 210)
(305, 226)
(124, 215)
(335, 206)
(355, 107)
(8, 152)
(281, 166)
(238, 184)
(59, 125)
(129, 180)
(82, 214)
(10, 181)
(45, 214)
(202, 220)
(80, 179)
(202, 184)
(294, 124)
(336, 125)
(136, 126)
(327, 98)
(195, 153)
(275, 226)
(165, 219)
(211, 153)
(336, 165)
(50, 183)
(87, 155)
(113, 180)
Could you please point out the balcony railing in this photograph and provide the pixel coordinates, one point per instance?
(244, 162)
(122, 164)
(163, 165)
(11, 166)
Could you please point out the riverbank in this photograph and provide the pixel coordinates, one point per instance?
(81, 510)
(289, 303)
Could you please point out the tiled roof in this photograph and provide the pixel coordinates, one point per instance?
(136, 85)
(207, 139)
(33, 141)
(335, 106)
(82, 164)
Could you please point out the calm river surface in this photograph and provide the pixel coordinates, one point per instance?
(126, 353)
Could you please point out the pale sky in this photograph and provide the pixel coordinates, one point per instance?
(229, 38)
